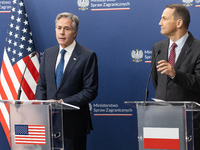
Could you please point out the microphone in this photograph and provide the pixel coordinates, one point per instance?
(19, 90)
(147, 90)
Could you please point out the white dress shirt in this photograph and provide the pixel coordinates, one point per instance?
(67, 56)
(179, 46)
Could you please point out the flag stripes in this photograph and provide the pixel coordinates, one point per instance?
(30, 134)
(161, 138)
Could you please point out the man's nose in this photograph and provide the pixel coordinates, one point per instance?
(62, 31)
(160, 23)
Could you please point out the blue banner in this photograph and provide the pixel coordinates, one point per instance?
(122, 33)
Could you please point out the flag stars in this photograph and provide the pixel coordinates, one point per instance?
(16, 35)
(13, 59)
(11, 25)
(12, 17)
(20, 54)
(10, 33)
(18, 19)
(10, 41)
(13, 9)
(30, 41)
(14, 1)
(24, 30)
(9, 49)
(14, 51)
(18, 41)
(21, 46)
(17, 28)
(19, 12)
(21, 4)
(23, 38)
(29, 49)
(25, 22)
(15, 43)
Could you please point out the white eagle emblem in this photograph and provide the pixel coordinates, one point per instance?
(197, 1)
(83, 4)
(137, 55)
(187, 3)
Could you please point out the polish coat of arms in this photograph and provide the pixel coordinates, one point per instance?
(83, 4)
(197, 1)
(188, 3)
(137, 55)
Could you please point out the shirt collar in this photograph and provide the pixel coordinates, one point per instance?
(180, 42)
(69, 48)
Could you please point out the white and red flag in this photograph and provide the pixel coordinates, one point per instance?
(161, 138)
(18, 48)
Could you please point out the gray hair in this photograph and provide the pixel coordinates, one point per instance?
(74, 18)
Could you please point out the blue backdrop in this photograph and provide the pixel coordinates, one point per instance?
(113, 29)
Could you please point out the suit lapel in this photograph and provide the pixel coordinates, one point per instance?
(164, 51)
(185, 51)
(164, 56)
(53, 58)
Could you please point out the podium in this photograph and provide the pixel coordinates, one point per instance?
(165, 125)
(36, 125)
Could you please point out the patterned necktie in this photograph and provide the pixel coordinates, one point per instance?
(59, 70)
(171, 59)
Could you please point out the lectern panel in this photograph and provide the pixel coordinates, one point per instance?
(29, 126)
(161, 127)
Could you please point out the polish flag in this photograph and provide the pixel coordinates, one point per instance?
(161, 138)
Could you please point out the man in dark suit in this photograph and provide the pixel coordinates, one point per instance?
(77, 86)
(177, 78)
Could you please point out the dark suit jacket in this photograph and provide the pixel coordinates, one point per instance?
(78, 87)
(186, 84)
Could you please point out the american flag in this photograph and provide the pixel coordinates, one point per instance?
(30, 134)
(18, 49)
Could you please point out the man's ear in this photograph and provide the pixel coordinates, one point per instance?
(179, 23)
(75, 34)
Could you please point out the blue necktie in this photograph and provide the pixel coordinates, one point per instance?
(59, 70)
